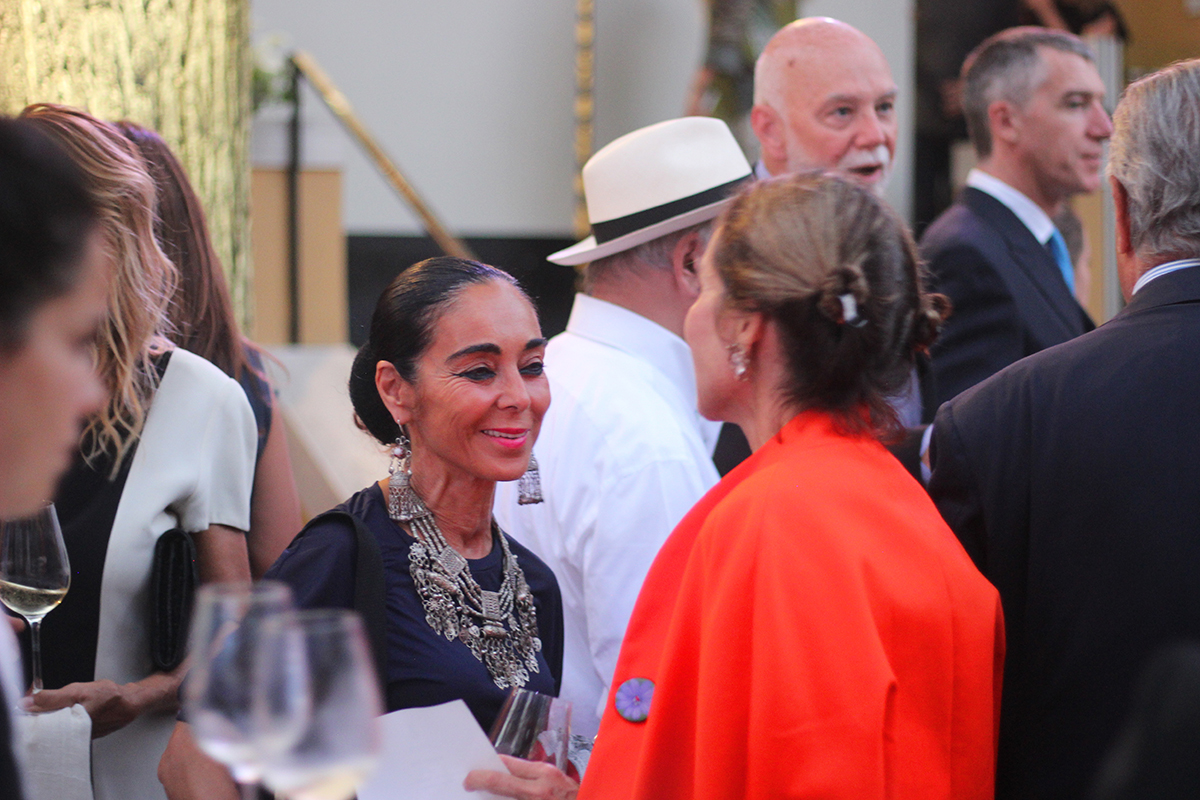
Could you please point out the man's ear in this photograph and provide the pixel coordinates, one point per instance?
(1121, 212)
(685, 262)
(768, 126)
(1004, 122)
(396, 393)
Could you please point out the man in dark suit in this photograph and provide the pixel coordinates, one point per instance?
(1073, 476)
(1033, 103)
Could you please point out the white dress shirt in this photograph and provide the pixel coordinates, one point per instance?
(1164, 269)
(623, 455)
(1029, 212)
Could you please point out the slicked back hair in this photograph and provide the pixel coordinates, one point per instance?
(1008, 66)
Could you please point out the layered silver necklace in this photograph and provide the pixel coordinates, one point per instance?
(499, 628)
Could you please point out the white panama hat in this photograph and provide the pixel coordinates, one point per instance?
(654, 181)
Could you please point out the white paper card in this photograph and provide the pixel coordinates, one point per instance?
(427, 752)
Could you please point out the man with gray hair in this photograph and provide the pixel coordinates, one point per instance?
(623, 451)
(1033, 101)
(1071, 476)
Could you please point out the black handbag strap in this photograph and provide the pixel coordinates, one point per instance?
(368, 587)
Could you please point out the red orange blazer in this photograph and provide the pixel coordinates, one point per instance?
(813, 630)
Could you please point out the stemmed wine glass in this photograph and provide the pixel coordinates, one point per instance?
(343, 738)
(34, 574)
(246, 696)
(533, 726)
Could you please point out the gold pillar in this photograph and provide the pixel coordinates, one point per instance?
(179, 67)
(585, 79)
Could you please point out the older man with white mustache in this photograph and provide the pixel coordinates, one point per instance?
(824, 98)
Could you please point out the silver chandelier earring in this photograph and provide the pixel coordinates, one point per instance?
(404, 505)
(739, 362)
(529, 487)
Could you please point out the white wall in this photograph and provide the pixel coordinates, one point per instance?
(892, 24)
(473, 98)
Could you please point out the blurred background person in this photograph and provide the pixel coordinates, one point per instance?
(172, 447)
(1034, 104)
(203, 322)
(812, 627)
(53, 299)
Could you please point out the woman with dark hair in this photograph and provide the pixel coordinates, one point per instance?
(812, 628)
(451, 377)
(53, 287)
(203, 323)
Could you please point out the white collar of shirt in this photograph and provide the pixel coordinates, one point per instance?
(1036, 220)
(630, 332)
(1163, 269)
(760, 171)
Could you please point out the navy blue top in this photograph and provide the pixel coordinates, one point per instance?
(258, 392)
(423, 667)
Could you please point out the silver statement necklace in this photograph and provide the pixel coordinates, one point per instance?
(499, 628)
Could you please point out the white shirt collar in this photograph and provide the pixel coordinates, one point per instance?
(760, 171)
(630, 332)
(1032, 216)
(1164, 269)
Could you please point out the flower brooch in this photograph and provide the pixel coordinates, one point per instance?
(633, 699)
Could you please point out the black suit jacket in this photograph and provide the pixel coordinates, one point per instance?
(1010, 299)
(1073, 480)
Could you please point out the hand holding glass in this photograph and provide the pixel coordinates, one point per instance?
(34, 574)
(533, 726)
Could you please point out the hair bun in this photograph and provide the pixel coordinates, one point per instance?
(842, 296)
(929, 319)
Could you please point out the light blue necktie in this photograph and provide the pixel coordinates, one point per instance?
(1058, 248)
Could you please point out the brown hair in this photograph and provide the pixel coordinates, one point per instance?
(143, 278)
(802, 250)
(201, 310)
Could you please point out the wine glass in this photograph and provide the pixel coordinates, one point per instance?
(34, 574)
(342, 742)
(247, 693)
(533, 726)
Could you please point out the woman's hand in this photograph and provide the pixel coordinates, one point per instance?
(529, 780)
(111, 705)
(186, 773)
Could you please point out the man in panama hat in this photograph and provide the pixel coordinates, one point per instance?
(623, 453)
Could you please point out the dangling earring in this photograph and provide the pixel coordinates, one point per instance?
(404, 505)
(529, 487)
(739, 362)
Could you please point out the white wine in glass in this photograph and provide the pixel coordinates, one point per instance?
(34, 574)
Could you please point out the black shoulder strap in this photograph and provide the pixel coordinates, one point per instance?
(368, 588)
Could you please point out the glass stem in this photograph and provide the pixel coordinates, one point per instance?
(35, 647)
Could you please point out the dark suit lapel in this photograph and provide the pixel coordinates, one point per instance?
(1030, 256)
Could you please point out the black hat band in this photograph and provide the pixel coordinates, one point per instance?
(630, 223)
